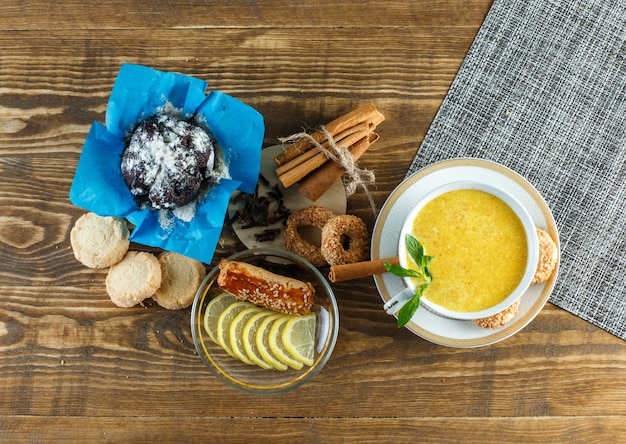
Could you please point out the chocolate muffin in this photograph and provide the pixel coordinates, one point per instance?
(166, 161)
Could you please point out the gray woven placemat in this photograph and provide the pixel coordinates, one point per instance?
(542, 90)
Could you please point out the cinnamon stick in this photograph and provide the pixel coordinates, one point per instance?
(339, 141)
(340, 273)
(362, 114)
(299, 160)
(319, 181)
(300, 171)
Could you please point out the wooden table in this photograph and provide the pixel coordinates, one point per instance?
(74, 368)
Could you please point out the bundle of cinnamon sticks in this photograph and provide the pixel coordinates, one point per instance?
(304, 163)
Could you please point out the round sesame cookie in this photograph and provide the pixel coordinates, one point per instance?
(180, 278)
(345, 240)
(315, 216)
(134, 279)
(98, 241)
(548, 256)
(499, 319)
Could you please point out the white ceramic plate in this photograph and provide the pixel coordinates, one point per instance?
(334, 199)
(385, 237)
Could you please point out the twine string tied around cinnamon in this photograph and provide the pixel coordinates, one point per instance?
(355, 177)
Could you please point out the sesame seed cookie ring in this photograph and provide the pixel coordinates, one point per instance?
(548, 256)
(315, 216)
(499, 319)
(345, 240)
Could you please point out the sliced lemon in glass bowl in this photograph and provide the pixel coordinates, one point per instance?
(264, 345)
(213, 311)
(235, 334)
(259, 379)
(224, 322)
(275, 339)
(249, 337)
(298, 338)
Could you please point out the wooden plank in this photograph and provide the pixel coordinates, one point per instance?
(312, 79)
(116, 14)
(314, 429)
(69, 351)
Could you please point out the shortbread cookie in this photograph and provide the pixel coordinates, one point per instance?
(180, 278)
(133, 279)
(548, 256)
(499, 319)
(99, 242)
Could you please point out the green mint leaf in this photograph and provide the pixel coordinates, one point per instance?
(415, 249)
(408, 310)
(425, 261)
(400, 271)
(427, 275)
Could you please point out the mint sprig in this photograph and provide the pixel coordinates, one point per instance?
(416, 252)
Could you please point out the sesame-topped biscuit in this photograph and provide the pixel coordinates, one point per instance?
(261, 287)
(548, 257)
(314, 216)
(345, 240)
(499, 319)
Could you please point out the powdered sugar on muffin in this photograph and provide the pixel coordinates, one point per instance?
(166, 161)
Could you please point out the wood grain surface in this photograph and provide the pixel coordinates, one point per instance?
(75, 368)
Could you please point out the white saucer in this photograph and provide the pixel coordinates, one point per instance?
(385, 237)
(334, 199)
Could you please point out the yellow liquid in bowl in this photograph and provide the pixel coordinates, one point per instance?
(479, 248)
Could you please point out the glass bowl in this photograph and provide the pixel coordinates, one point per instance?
(251, 378)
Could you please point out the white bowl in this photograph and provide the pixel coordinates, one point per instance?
(531, 242)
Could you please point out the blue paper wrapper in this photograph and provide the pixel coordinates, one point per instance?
(138, 93)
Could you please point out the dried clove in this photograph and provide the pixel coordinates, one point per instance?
(267, 235)
(257, 211)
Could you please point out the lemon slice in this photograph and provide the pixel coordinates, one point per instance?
(213, 310)
(248, 336)
(236, 333)
(298, 338)
(263, 344)
(223, 323)
(276, 343)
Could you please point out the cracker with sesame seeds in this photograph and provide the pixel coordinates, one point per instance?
(548, 257)
(499, 319)
(261, 287)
